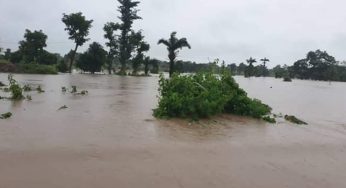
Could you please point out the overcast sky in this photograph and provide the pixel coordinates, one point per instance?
(232, 30)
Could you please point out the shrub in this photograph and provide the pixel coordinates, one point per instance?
(31, 68)
(15, 89)
(203, 95)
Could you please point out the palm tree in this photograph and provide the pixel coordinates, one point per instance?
(250, 69)
(173, 44)
(265, 60)
(264, 68)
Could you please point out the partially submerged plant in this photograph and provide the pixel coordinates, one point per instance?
(269, 119)
(74, 89)
(63, 107)
(15, 89)
(294, 120)
(64, 89)
(287, 79)
(29, 98)
(39, 89)
(6, 115)
(206, 94)
(84, 92)
(27, 88)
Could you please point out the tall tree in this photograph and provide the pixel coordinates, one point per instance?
(139, 46)
(32, 45)
(264, 70)
(7, 54)
(128, 15)
(112, 43)
(173, 45)
(77, 27)
(265, 60)
(93, 59)
(250, 70)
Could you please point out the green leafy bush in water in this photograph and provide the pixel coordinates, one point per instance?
(203, 95)
(15, 89)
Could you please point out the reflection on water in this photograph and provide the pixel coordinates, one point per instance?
(109, 137)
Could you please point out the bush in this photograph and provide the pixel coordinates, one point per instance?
(15, 89)
(30, 68)
(203, 95)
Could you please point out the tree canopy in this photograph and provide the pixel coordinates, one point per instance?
(173, 45)
(93, 59)
(77, 27)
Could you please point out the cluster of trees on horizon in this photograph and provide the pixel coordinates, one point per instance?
(126, 50)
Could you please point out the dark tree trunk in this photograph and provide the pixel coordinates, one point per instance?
(171, 68)
(73, 57)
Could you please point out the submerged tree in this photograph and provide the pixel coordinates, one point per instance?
(93, 59)
(128, 15)
(264, 70)
(140, 46)
(250, 70)
(112, 43)
(32, 47)
(77, 27)
(173, 45)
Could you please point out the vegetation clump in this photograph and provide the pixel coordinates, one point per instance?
(29, 98)
(39, 89)
(15, 89)
(295, 120)
(27, 88)
(205, 94)
(287, 79)
(6, 115)
(63, 107)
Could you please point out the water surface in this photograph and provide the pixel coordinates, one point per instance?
(109, 138)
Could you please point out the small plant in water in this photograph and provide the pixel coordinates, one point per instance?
(63, 107)
(27, 88)
(6, 115)
(74, 89)
(64, 89)
(15, 89)
(295, 120)
(29, 98)
(39, 89)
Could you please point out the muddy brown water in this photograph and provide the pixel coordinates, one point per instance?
(109, 138)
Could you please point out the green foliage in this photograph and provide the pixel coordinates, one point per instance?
(112, 43)
(269, 119)
(6, 115)
(39, 89)
(287, 79)
(173, 44)
(62, 66)
(318, 65)
(140, 46)
(15, 89)
(128, 14)
(30, 68)
(27, 88)
(32, 47)
(78, 28)
(203, 95)
(295, 120)
(92, 60)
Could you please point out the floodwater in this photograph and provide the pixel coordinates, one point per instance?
(109, 138)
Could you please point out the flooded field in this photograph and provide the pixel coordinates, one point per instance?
(109, 138)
